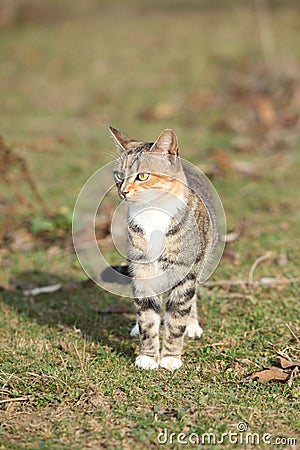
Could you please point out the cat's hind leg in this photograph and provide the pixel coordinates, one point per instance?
(135, 330)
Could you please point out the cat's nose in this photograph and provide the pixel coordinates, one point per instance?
(123, 192)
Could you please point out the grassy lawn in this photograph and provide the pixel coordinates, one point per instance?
(67, 378)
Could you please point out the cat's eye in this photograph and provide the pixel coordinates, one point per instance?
(142, 176)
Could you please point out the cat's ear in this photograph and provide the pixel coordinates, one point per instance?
(122, 141)
(166, 143)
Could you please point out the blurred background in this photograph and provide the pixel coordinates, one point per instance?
(224, 75)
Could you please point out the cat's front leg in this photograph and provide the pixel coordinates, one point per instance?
(148, 320)
(193, 329)
(178, 309)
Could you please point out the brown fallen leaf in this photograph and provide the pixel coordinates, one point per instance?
(119, 308)
(285, 370)
(286, 364)
(269, 374)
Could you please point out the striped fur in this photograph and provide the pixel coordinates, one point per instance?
(185, 235)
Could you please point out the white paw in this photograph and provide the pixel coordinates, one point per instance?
(193, 331)
(146, 362)
(170, 363)
(135, 331)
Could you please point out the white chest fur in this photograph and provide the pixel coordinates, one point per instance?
(156, 216)
(151, 219)
(155, 221)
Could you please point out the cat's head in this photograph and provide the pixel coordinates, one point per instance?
(147, 168)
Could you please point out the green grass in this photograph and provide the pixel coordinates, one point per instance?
(67, 378)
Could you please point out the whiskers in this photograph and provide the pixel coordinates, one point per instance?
(112, 153)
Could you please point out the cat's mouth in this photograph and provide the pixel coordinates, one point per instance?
(135, 200)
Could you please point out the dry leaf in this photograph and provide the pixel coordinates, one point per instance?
(287, 372)
(115, 309)
(269, 374)
(286, 364)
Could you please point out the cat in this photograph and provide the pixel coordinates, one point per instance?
(171, 234)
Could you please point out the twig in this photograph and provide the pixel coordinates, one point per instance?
(43, 290)
(284, 355)
(296, 337)
(268, 255)
(215, 344)
(37, 375)
(81, 362)
(231, 237)
(238, 296)
(65, 367)
(16, 399)
(258, 282)
(293, 375)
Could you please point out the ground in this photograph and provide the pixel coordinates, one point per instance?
(226, 80)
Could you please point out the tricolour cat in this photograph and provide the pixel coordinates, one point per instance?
(171, 236)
